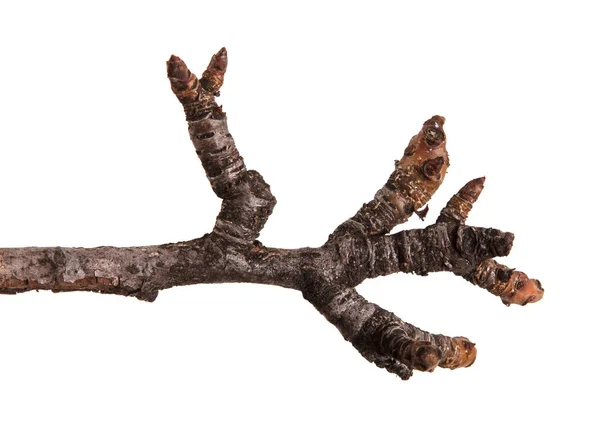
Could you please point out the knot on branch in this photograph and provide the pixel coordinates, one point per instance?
(245, 212)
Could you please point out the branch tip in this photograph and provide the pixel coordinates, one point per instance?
(212, 78)
(177, 69)
(173, 59)
(472, 189)
(528, 290)
(458, 208)
(437, 121)
(512, 286)
(184, 83)
(464, 355)
(219, 60)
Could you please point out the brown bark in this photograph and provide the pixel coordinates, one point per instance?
(359, 248)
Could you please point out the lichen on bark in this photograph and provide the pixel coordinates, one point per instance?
(359, 248)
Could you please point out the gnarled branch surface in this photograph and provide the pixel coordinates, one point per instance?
(327, 276)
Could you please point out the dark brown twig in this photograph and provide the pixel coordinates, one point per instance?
(359, 248)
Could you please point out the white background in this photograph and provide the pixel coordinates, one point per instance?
(321, 98)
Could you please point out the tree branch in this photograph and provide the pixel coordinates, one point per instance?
(359, 248)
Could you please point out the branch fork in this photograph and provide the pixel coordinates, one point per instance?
(359, 248)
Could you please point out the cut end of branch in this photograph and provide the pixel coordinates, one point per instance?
(478, 244)
(503, 243)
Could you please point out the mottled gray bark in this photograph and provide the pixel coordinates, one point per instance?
(358, 249)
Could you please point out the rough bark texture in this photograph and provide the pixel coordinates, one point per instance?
(359, 248)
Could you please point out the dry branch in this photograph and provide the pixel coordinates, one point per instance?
(327, 276)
